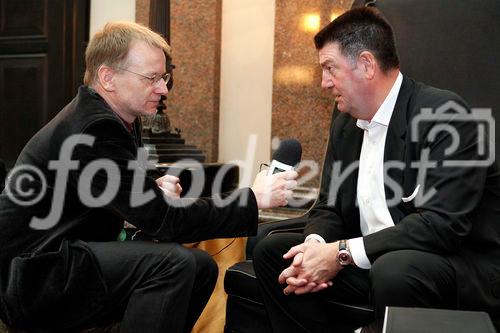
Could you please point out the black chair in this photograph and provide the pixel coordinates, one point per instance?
(448, 44)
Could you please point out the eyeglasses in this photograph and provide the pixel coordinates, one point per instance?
(153, 80)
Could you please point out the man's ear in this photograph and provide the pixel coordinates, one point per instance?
(105, 76)
(368, 64)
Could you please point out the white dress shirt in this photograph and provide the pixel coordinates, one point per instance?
(373, 210)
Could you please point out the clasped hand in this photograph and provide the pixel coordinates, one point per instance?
(313, 267)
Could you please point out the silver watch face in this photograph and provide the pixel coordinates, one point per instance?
(344, 258)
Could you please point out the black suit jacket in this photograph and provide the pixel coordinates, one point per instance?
(49, 277)
(460, 221)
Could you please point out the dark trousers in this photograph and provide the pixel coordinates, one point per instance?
(154, 287)
(399, 278)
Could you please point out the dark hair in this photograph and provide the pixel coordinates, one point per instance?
(361, 29)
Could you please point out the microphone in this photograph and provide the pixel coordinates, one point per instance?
(286, 157)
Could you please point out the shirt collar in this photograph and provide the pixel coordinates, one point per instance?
(384, 112)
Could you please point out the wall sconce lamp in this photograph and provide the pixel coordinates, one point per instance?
(311, 22)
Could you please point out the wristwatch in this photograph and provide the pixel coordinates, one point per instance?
(344, 256)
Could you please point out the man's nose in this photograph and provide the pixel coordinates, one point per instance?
(326, 83)
(162, 89)
(326, 80)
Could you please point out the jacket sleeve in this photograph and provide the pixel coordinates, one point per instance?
(325, 217)
(122, 184)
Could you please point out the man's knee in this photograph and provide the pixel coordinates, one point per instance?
(263, 248)
(395, 271)
(205, 264)
(412, 278)
(274, 246)
(168, 260)
(172, 261)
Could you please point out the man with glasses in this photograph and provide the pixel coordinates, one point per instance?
(72, 272)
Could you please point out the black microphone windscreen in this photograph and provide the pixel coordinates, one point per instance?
(289, 152)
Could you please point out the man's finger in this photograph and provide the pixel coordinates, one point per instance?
(168, 186)
(287, 272)
(289, 290)
(306, 289)
(288, 175)
(320, 287)
(293, 251)
(290, 184)
(296, 282)
(169, 178)
(170, 194)
(297, 260)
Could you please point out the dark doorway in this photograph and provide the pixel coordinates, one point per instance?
(42, 45)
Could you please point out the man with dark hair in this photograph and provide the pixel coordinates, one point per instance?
(62, 266)
(408, 209)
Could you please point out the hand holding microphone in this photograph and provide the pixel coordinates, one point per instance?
(273, 187)
(274, 190)
(286, 157)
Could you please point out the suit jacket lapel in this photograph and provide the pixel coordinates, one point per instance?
(395, 146)
(353, 140)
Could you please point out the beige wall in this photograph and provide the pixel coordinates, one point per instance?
(102, 11)
(246, 82)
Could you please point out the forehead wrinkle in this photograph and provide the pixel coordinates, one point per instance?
(326, 62)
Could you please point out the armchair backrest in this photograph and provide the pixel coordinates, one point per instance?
(449, 44)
